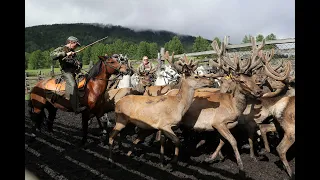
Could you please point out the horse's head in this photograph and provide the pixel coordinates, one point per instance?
(113, 66)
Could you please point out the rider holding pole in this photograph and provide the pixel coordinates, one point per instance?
(69, 66)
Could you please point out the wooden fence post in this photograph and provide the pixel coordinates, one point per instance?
(25, 82)
(90, 64)
(52, 71)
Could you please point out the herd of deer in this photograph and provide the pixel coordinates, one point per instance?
(251, 90)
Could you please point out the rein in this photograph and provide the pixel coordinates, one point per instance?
(108, 64)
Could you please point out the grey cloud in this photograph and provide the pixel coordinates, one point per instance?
(206, 18)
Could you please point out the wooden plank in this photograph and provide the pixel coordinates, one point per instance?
(280, 41)
(33, 78)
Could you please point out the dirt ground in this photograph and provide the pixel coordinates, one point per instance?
(56, 156)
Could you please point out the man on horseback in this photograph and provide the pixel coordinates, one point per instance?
(146, 69)
(69, 65)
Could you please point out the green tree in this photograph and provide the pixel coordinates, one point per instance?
(153, 50)
(259, 38)
(97, 50)
(200, 44)
(86, 56)
(269, 38)
(26, 55)
(246, 39)
(133, 51)
(118, 46)
(35, 60)
(46, 59)
(143, 50)
(174, 45)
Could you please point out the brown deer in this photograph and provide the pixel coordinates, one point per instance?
(282, 108)
(220, 110)
(157, 112)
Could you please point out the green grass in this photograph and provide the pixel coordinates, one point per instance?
(27, 96)
(47, 70)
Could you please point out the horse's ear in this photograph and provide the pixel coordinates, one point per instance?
(102, 58)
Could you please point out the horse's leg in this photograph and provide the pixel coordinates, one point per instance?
(36, 115)
(52, 115)
(85, 119)
(104, 132)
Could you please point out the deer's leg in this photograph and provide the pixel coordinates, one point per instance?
(286, 142)
(221, 143)
(142, 134)
(216, 152)
(225, 132)
(251, 129)
(162, 141)
(264, 128)
(167, 131)
(115, 131)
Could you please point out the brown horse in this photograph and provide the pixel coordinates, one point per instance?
(49, 94)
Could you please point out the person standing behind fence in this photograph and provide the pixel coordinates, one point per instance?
(146, 69)
(69, 65)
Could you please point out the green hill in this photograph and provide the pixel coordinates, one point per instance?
(44, 37)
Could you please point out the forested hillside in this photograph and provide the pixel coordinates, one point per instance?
(44, 37)
(40, 40)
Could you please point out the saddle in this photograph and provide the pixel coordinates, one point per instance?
(57, 85)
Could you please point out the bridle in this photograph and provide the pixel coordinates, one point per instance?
(109, 65)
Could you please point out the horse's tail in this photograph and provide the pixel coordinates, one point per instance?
(30, 108)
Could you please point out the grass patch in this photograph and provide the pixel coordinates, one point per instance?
(27, 97)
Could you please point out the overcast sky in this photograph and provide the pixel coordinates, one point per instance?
(206, 18)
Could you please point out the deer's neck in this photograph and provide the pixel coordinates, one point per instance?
(240, 100)
(185, 97)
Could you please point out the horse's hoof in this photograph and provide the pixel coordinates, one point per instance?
(242, 174)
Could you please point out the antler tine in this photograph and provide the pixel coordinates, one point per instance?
(269, 56)
(130, 66)
(269, 71)
(280, 63)
(215, 47)
(256, 52)
(227, 60)
(186, 60)
(245, 66)
(237, 62)
(166, 57)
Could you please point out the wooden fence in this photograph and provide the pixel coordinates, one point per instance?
(30, 81)
(282, 53)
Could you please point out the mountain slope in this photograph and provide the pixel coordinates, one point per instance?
(44, 37)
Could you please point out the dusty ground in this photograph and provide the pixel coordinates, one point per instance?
(57, 156)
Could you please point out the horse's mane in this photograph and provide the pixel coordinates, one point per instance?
(94, 71)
